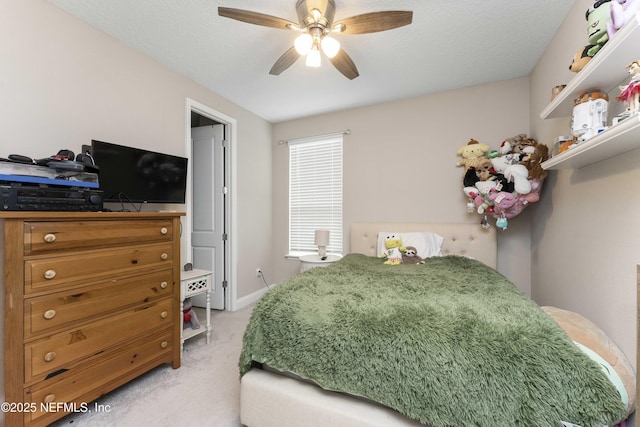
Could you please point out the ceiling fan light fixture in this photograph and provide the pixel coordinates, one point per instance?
(303, 44)
(330, 46)
(313, 58)
(316, 14)
(338, 28)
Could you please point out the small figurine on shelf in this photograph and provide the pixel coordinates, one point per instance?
(631, 92)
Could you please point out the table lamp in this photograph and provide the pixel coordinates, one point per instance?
(322, 241)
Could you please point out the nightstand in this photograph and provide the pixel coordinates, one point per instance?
(308, 262)
(195, 282)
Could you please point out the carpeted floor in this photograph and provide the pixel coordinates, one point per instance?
(205, 391)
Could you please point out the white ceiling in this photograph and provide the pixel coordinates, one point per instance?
(449, 45)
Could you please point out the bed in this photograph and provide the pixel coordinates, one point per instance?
(449, 342)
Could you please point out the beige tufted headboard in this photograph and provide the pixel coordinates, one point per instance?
(459, 239)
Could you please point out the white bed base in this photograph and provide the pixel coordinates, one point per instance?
(269, 399)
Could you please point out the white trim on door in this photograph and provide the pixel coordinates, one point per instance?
(231, 204)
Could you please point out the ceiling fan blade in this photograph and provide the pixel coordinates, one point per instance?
(345, 65)
(375, 21)
(285, 61)
(256, 18)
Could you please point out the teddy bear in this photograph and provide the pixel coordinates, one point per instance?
(189, 317)
(472, 154)
(484, 170)
(524, 148)
(507, 145)
(410, 256)
(534, 162)
(393, 249)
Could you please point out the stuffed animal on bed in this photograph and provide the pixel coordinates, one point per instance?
(410, 256)
(393, 249)
(189, 316)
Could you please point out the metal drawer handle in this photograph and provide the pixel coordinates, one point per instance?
(164, 285)
(49, 398)
(50, 356)
(164, 344)
(164, 256)
(164, 230)
(164, 314)
(49, 274)
(49, 238)
(49, 314)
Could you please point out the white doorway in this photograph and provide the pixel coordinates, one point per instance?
(208, 229)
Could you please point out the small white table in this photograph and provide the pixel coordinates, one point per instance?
(195, 282)
(308, 262)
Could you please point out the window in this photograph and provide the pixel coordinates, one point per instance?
(315, 193)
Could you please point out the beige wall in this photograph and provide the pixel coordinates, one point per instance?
(585, 245)
(399, 163)
(63, 83)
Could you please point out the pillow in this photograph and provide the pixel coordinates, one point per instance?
(597, 345)
(426, 243)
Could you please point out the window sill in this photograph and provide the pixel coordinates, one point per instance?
(296, 255)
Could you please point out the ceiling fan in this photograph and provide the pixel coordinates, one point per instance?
(315, 25)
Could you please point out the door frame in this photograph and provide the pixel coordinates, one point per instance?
(230, 246)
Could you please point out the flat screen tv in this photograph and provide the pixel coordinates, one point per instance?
(130, 174)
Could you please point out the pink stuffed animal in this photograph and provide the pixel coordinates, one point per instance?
(621, 12)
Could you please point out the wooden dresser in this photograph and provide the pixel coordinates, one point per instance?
(92, 300)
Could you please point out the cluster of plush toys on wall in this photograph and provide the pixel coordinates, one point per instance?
(502, 182)
(604, 19)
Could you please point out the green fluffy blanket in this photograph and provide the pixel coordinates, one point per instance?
(448, 343)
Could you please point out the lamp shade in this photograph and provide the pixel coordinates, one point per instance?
(330, 46)
(313, 58)
(322, 238)
(303, 44)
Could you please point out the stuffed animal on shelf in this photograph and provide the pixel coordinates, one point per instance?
(631, 92)
(393, 249)
(598, 17)
(189, 317)
(410, 256)
(621, 12)
(472, 154)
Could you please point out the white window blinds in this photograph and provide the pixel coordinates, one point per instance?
(315, 193)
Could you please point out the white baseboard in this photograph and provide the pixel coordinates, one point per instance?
(251, 298)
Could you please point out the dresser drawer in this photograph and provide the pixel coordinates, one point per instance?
(51, 312)
(61, 350)
(56, 236)
(83, 385)
(49, 274)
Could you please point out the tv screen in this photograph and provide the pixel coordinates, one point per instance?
(130, 174)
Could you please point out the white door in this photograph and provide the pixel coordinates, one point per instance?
(207, 234)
